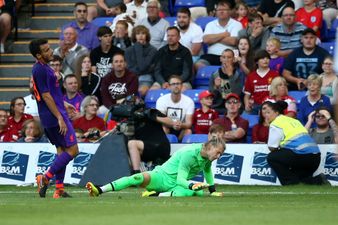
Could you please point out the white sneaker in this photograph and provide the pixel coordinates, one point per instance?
(2, 48)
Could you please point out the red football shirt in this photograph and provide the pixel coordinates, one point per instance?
(84, 124)
(203, 120)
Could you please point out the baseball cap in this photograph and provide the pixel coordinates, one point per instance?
(232, 95)
(205, 94)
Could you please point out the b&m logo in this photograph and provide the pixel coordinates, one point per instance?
(229, 167)
(14, 166)
(331, 167)
(261, 169)
(45, 161)
(80, 164)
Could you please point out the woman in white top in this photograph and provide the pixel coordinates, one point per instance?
(329, 79)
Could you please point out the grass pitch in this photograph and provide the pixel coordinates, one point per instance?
(247, 205)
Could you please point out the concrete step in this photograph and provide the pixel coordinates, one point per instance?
(17, 58)
(70, 1)
(14, 81)
(49, 22)
(56, 7)
(22, 46)
(16, 70)
(8, 93)
(52, 33)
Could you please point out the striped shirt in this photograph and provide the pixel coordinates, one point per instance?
(289, 40)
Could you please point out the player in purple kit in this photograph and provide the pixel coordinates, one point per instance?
(54, 118)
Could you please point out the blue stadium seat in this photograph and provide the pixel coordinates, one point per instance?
(203, 21)
(172, 138)
(184, 3)
(193, 94)
(329, 46)
(171, 20)
(203, 76)
(101, 21)
(195, 138)
(153, 95)
(297, 95)
(253, 120)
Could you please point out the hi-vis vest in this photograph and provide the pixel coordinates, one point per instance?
(296, 137)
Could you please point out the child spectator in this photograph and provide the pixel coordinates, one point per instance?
(32, 132)
(245, 56)
(257, 84)
(276, 61)
(56, 65)
(122, 15)
(120, 37)
(203, 117)
(242, 11)
(310, 16)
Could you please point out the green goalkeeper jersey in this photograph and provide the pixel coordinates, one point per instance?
(185, 164)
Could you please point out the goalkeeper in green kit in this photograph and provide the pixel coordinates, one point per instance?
(172, 178)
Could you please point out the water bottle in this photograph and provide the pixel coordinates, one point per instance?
(233, 127)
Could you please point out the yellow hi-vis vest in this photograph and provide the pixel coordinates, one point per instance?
(296, 137)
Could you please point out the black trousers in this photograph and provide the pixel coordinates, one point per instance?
(292, 168)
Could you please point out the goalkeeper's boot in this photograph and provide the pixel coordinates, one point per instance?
(150, 194)
(92, 189)
(61, 194)
(42, 183)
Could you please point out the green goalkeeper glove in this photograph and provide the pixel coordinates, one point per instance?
(217, 194)
(198, 186)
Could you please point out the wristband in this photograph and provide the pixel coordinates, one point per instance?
(212, 188)
(190, 186)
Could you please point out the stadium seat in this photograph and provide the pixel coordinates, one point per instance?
(203, 75)
(195, 138)
(329, 46)
(153, 95)
(297, 95)
(172, 138)
(171, 20)
(184, 3)
(193, 94)
(253, 120)
(101, 21)
(203, 21)
(324, 32)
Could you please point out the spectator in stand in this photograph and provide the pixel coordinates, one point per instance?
(70, 51)
(178, 107)
(32, 132)
(245, 56)
(279, 92)
(173, 58)
(31, 107)
(122, 16)
(86, 31)
(80, 136)
(272, 10)
(6, 14)
(137, 9)
(120, 37)
(326, 130)
(191, 34)
(219, 34)
(330, 80)
(203, 117)
(289, 32)
(235, 126)
(141, 57)
(6, 134)
(330, 10)
(88, 82)
(72, 94)
(227, 79)
(304, 61)
(119, 83)
(156, 25)
(17, 116)
(276, 61)
(101, 56)
(103, 8)
(56, 65)
(260, 131)
(89, 122)
(258, 82)
(313, 100)
(310, 16)
(256, 32)
(242, 11)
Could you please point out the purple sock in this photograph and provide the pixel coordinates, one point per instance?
(59, 177)
(59, 164)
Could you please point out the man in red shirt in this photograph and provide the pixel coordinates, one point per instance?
(203, 117)
(235, 126)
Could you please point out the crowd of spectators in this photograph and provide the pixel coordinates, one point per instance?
(262, 53)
